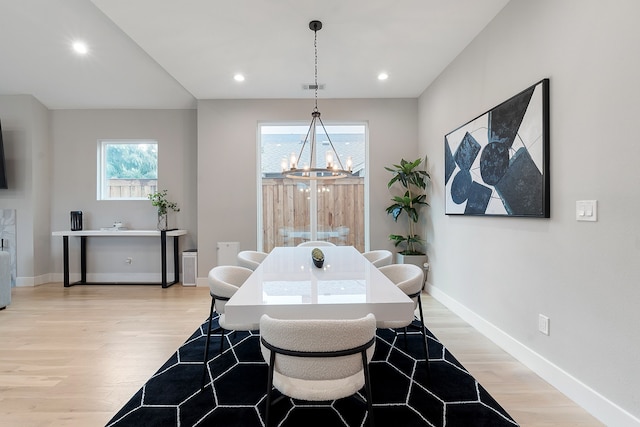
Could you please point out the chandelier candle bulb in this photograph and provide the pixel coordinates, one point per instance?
(329, 157)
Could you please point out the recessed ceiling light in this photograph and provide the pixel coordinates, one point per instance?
(238, 78)
(80, 47)
(383, 76)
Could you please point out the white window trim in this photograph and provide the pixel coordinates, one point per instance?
(101, 187)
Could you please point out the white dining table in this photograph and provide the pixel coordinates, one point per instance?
(288, 285)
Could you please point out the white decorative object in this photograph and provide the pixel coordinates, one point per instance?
(9, 241)
(5, 279)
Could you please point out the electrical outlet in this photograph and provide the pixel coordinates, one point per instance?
(543, 324)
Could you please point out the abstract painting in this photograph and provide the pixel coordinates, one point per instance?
(498, 163)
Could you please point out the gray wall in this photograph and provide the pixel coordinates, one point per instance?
(502, 272)
(25, 128)
(74, 176)
(227, 162)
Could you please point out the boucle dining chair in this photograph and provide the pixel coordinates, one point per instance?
(316, 243)
(379, 258)
(409, 278)
(251, 259)
(318, 359)
(224, 281)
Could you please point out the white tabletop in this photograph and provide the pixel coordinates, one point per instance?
(287, 285)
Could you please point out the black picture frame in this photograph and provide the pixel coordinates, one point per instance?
(498, 163)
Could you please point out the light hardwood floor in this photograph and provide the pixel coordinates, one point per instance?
(74, 356)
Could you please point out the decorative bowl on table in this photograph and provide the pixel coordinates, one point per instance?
(318, 257)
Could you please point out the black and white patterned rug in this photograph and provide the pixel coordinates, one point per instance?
(236, 380)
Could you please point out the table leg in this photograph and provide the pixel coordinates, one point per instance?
(163, 250)
(176, 261)
(83, 259)
(65, 257)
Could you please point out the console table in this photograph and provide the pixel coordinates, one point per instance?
(84, 234)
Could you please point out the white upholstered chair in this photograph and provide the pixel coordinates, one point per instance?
(251, 259)
(318, 360)
(316, 243)
(409, 278)
(379, 258)
(224, 281)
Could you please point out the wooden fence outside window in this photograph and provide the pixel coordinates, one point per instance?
(285, 210)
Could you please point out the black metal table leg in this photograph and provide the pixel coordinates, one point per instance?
(83, 259)
(176, 261)
(163, 250)
(65, 257)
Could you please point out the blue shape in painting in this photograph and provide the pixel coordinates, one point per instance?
(494, 162)
(479, 197)
(521, 188)
(449, 162)
(467, 152)
(461, 186)
(505, 119)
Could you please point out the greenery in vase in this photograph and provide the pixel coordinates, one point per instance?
(159, 200)
(414, 183)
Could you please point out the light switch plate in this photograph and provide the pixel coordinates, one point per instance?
(587, 210)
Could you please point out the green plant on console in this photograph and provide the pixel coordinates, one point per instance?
(414, 183)
(159, 200)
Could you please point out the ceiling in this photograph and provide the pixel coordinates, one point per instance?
(170, 53)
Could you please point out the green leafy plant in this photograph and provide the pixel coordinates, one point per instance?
(414, 182)
(159, 200)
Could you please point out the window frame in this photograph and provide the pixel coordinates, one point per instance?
(329, 126)
(102, 180)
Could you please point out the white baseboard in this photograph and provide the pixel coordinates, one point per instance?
(114, 277)
(593, 402)
(34, 281)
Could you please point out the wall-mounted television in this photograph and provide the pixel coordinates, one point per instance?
(3, 169)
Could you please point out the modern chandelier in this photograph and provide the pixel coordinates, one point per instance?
(296, 169)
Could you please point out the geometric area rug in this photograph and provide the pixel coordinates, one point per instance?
(236, 380)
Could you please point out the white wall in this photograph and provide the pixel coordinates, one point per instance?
(227, 162)
(73, 182)
(584, 276)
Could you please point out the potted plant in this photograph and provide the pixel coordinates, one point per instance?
(414, 183)
(159, 200)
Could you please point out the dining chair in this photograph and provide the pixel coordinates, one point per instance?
(251, 259)
(379, 258)
(224, 282)
(409, 278)
(316, 243)
(318, 359)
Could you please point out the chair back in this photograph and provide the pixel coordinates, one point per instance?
(224, 281)
(379, 258)
(316, 243)
(407, 277)
(318, 335)
(251, 259)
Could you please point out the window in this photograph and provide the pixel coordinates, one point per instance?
(127, 169)
(292, 211)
